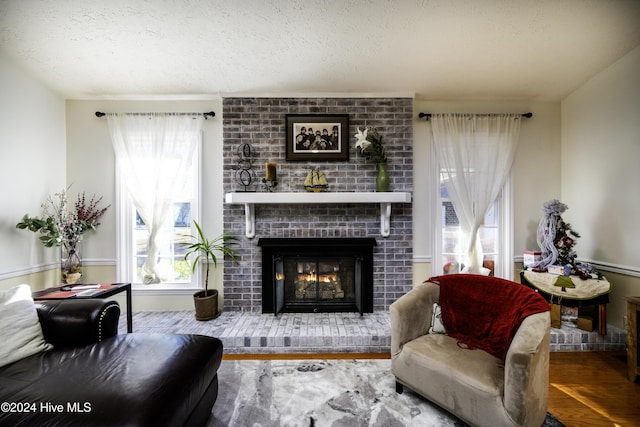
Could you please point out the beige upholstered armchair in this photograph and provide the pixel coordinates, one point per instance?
(477, 387)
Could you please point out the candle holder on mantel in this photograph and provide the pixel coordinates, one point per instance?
(245, 175)
(270, 181)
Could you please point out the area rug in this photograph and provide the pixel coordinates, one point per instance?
(319, 393)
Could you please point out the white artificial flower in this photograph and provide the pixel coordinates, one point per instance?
(361, 139)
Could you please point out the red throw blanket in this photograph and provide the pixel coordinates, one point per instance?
(485, 312)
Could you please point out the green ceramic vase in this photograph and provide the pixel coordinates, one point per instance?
(382, 180)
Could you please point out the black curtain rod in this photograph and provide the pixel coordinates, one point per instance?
(428, 115)
(206, 115)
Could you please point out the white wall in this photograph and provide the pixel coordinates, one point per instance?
(536, 171)
(601, 163)
(32, 167)
(601, 173)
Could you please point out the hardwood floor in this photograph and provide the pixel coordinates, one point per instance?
(592, 389)
(586, 389)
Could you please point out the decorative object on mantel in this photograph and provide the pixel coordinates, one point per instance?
(317, 136)
(62, 227)
(270, 181)
(316, 182)
(382, 178)
(369, 143)
(556, 239)
(244, 171)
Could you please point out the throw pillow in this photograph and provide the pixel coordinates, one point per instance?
(20, 330)
(436, 321)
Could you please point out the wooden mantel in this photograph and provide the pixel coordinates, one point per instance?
(249, 200)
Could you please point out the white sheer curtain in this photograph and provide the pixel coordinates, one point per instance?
(153, 153)
(475, 153)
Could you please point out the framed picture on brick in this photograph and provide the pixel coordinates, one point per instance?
(317, 136)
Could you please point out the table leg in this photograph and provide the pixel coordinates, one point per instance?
(632, 340)
(129, 312)
(602, 319)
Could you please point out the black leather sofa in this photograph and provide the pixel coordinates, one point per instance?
(95, 377)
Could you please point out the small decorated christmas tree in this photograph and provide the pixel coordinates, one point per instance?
(564, 241)
(556, 238)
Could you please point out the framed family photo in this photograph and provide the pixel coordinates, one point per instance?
(317, 136)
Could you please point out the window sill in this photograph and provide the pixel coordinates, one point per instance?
(164, 289)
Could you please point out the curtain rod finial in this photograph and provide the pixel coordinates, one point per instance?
(99, 114)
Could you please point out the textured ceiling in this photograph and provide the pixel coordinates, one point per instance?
(436, 49)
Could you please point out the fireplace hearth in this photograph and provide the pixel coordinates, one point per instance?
(317, 275)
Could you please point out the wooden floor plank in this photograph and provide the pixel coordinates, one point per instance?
(591, 389)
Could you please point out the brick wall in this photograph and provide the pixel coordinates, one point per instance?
(261, 122)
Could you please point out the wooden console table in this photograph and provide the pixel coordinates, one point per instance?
(633, 307)
(587, 293)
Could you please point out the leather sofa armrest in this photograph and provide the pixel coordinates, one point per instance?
(78, 322)
(410, 315)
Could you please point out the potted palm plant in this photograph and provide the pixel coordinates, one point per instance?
(205, 250)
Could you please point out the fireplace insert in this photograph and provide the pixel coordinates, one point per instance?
(317, 275)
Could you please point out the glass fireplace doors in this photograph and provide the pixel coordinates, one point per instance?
(309, 275)
(317, 283)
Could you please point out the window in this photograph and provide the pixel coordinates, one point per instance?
(174, 271)
(171, 263)
(494, 234)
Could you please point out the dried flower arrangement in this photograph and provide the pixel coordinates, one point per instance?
(58, 223)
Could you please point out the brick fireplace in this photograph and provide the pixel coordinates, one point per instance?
(261, 123)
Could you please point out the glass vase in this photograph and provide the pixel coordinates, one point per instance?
(70, 262)
(382, 179)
